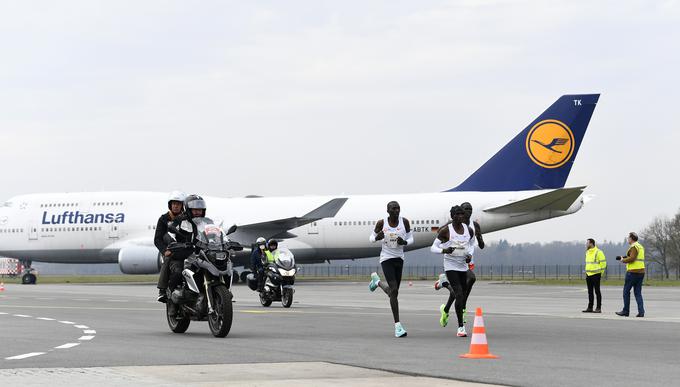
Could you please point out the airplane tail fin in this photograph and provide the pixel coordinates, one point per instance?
(541, 156)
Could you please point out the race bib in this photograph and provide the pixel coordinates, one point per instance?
(391, 240)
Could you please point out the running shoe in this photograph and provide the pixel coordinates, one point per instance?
(441, 282)
(461, 332)
(444, 319)
(374, 281)
(399, 330)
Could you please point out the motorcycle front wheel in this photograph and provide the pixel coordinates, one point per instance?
(223, 313)
(177, 323)
(287, 298)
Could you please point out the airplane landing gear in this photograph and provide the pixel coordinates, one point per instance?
(28, 276)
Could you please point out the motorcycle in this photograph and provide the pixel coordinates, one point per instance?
(279, 278)
(204, 293)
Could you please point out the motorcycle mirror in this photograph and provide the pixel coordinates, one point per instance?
(231, 229)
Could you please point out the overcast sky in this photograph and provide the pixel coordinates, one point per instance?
(313, 97)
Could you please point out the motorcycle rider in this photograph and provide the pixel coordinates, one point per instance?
(257, 258)
(272, 251)
(186, 231)
(175, 208)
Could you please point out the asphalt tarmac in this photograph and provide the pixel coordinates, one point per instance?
(337, 333)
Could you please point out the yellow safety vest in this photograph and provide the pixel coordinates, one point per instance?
(596, 262)
(271, 258)
(639, 263)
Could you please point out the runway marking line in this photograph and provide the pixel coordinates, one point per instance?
(24, 356)
(89, 336)
(67, 345)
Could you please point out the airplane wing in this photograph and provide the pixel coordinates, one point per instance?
(558, 200)
(247, 233)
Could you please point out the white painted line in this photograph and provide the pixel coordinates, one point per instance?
(21, 315)
(3, 313)
(82, 326)
(81, 299)
(44, 298)
(67, 322)
(89, 331)
(117, 300)
(24, 356)
(86, 338)
(44, 318)
(67, 345)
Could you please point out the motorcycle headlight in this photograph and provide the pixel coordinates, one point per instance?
(221, 255)
(287, 273)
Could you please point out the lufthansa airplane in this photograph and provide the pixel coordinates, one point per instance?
(523, 183)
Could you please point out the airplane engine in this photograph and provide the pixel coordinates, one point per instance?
(139, 260)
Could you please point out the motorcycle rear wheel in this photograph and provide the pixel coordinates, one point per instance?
(177, 324)
(264, 300)
(223, 313)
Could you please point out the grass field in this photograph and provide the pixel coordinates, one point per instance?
(153, 278)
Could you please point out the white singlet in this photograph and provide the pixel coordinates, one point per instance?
(390, 248)
(461, 244)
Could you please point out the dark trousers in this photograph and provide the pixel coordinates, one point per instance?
(165, 274)
(457, 293)
(471, 279)
(593, 282)
(634, 281)
(392, 269)
(175, 268)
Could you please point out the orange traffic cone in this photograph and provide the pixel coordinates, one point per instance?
(479, 348)
(2, 286)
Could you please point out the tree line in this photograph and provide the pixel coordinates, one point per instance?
(661, 239)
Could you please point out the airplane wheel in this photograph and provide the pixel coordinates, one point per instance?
(29, 279)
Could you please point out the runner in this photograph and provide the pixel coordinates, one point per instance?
(395, 233)
(454, 242)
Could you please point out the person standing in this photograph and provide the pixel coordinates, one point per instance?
(395, 233)
(596, 263)
(635, 274)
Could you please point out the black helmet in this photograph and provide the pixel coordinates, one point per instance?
(273, 242)
(194, 202)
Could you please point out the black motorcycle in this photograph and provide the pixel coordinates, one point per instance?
(204, 293)
(279, 278)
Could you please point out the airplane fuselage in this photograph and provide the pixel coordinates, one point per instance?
(93, 227)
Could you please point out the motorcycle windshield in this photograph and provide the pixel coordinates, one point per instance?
(210, 236)
(285, 259)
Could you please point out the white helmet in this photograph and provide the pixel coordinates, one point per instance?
(260, 240)
(176, 196)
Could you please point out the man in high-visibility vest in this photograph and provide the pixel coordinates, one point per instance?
(635, 274)
(272, 253)
(596, 263)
